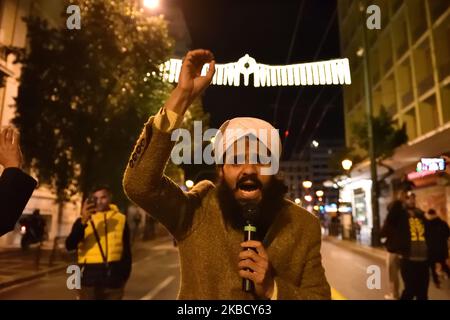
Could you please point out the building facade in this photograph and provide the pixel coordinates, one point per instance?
(13, 32)
(313, 164)
(409, 63)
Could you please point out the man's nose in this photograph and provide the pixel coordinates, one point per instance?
(248, 169)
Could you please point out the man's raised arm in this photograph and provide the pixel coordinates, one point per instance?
(144, 180)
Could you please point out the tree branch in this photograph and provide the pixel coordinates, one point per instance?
(388, 173)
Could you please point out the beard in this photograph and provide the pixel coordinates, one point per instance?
(271, 203)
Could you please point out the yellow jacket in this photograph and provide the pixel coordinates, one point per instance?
(112, 245)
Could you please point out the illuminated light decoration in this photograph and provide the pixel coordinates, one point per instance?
(308, 198)
(331, 208)
(319, 193)
(307, 184)
(330, 72)
(151, 4)
(328, 184)
(426, 167)
(416, 175)
(430, 164)
(189, 183)
(297, 201)
(345, 209)
(316, 208)
(347, 164)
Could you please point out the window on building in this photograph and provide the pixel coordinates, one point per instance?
(429, 119)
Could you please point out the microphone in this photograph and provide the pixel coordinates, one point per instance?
(250, 213)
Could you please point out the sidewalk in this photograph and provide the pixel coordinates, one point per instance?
(17, 266)
(371, 252)
(380, 254)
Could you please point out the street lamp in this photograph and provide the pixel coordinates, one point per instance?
(298, 201)
(189, 184)
(319, 193)
(347, 164)
(307, 184)
(308, 198)
(315, 144)
(151, 4)
(328, 184)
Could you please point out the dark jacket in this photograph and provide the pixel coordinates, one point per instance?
(16, 188)
(97, 274)
(396, 229)
(438, 238)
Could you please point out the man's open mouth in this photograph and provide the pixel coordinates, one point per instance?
(248, 186)
(249, 189)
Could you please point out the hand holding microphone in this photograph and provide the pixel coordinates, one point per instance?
(254, 265)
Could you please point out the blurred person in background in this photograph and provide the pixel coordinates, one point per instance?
(438, 251)
(389, 231)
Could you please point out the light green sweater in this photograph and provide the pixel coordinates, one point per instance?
(209, 249)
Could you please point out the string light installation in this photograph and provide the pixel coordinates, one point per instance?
(330, 72)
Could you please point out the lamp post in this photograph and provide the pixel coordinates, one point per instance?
(369, 107)
(307, 184)
(347, 164)
(189, 184)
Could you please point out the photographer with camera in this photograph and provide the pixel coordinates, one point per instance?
(101, 238)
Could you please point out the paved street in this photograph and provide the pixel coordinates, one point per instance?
(156, 276)
(346, 272)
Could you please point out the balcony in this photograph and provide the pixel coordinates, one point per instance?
(410, 120)
(418, 30)
(401, 49)
(444, 71)
(387, 64)
(395, 5)
(437, 8)
(375, 77)
(425, 84)
(445, 94)
(417, 18)
(391, 109)
(407, 98)
(429, 118)
(357, 98)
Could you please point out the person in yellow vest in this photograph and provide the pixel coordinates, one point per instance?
(101, 238)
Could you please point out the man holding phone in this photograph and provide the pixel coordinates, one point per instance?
(102, 240)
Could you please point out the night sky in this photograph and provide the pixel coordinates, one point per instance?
(264, 30)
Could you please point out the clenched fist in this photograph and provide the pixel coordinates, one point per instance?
(190, 82)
